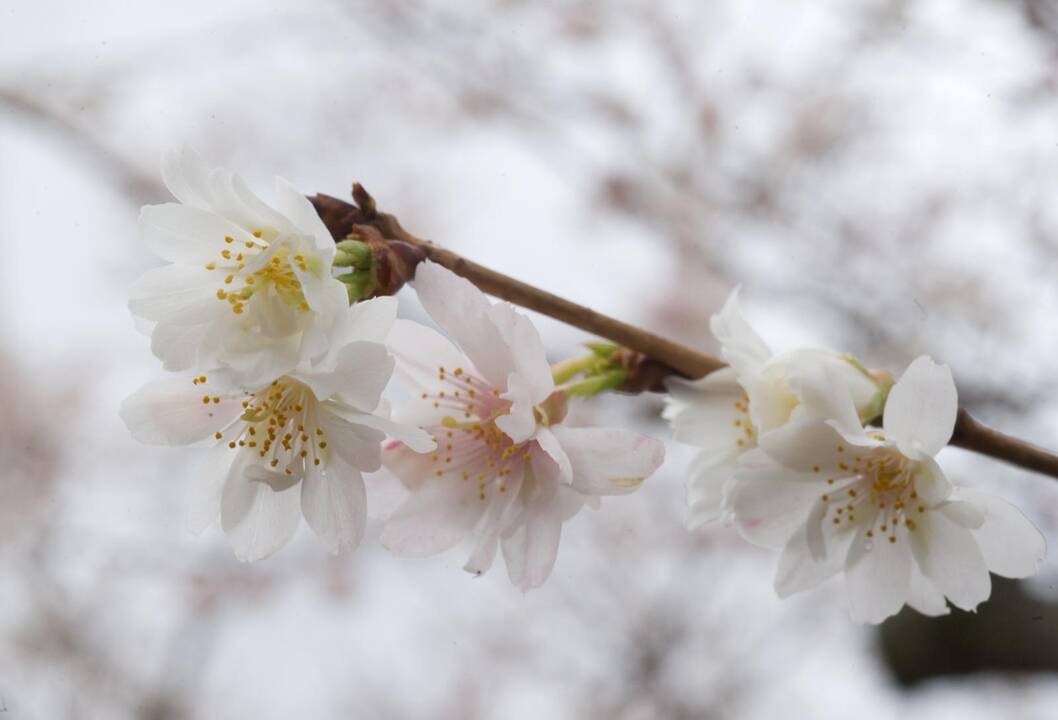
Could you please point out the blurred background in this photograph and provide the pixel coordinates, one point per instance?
(880, 175)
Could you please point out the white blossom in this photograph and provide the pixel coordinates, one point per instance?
(727, 412)
(874, 505)
(247, 286)
(293, 446)
(507, 472)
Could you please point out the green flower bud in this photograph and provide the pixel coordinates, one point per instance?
(609, 380)
(360, 284)
(603, 349)
(353, 253)
(882, 380)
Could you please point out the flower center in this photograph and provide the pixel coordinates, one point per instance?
(469, 444)
(742, 421)
(277, 275)
(876, 484)
(279, 422)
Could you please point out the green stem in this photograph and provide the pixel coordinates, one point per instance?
(568, 369)
(609, 380)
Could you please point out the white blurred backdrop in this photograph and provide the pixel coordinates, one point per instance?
(880, 175)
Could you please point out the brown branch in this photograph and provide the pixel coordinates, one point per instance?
(972, 435)
(649, 358)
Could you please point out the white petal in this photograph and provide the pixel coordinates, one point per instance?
(177, 294)
(824, 385)
(358, 445)
(300, 210)
(550, 442)
(421, 352)
(326, 295)
(949, 556)
(768, 506)
(177, 345)
(334, 502)
(877, 575)
(208, 485)
(530, 551)
(143, 327)
(703, 412)
(519, 422)
(257, 520)
(462, 311)
(851, 381)
(263, 215)
(226, 202)
(921, 409)
(443, 511)
(171, 411)
(275, 319)
(410, 467)
(385, 493)
(185, 175)
(772, 402)
(369, 320)
(313, 347)
(571, 502)
(257, 360)
(415, 438)
(924, 596)
(187, 235)
(709, 484)
(962, 513)
(609, 461)
(742, 346)
(804, 565)
(805, 445)
(276, 480)
(931, 483)
(493, 523)
(1010, 543)
(362, 371)
(526, 349)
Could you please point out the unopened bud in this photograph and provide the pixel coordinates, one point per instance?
(603, 349)
(609, 380)
(353, 253)
(884, 382)
(360, 284)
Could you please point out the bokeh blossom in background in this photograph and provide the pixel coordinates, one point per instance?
(880, 178)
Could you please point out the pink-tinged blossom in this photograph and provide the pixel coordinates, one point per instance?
(507, 472)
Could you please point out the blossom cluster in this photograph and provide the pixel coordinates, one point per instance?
(275, 361)
(792, 455)
(274, 365)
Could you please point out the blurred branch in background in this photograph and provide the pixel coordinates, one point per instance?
(30, 105)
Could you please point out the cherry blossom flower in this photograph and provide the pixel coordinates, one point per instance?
(247, 287)
(725, 413)
(507, 472)
(293, 446)
(873, 504)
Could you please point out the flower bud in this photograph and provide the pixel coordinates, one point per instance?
(360, 285)
(600, 383)
(353, 253)
(882, 380)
